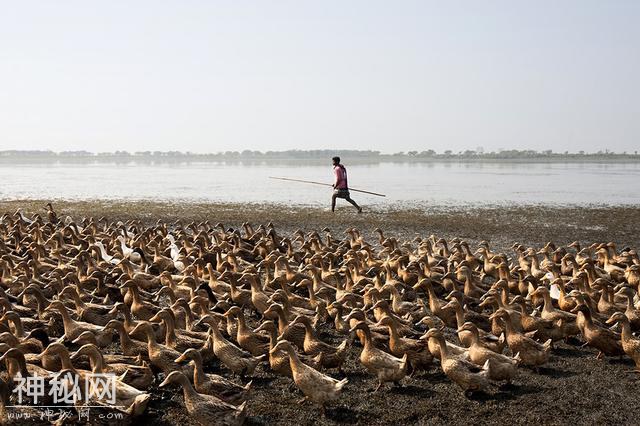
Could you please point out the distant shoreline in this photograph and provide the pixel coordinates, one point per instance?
(350, 159)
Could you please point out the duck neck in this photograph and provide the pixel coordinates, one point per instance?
(125, 340)
(508, 325)
(626, 330)
(393, 330)
(199, 376)
(187, 388)
(67, 321)
(294, 361)
(366, 334)
(128, 319)
(242, 324)
(548, 304)
(65, 360)
(17, 325)
(78, 301)
(444, 350)
(169, 331)
(273, 338)
(630, 307)
(97, 362)
(459, 315)
(475, 337)
(152, 345)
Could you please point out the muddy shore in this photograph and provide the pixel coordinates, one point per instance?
(574, 387)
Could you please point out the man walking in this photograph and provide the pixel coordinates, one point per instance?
(340, 187)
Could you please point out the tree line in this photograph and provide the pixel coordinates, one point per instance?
(320, 154)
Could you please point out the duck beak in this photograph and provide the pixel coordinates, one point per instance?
(164, 383)
(180, 359)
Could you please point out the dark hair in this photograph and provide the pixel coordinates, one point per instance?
(336, 160)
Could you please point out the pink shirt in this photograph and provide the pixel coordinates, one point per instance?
(341, 177)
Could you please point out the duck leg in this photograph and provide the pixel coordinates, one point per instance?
(378, 387)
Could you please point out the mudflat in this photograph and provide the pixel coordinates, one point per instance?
(573, 387)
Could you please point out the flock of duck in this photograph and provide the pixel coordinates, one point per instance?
(156, 305)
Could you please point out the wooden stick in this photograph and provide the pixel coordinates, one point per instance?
(325, 184)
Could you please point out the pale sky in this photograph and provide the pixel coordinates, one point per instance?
(209, 76)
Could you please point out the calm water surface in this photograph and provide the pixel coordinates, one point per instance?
(452, 184)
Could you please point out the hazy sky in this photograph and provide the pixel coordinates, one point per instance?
(210, 76)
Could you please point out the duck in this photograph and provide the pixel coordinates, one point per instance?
(89, 312)
(128, 346)
(178, 341)
(549, 312)
(137, 376)
(316, 386)
(386, 367)
(528, 351)
(417, 352)
(213, 384)
(249, 340)
(630, 343)
(293, 333)
(606, 341)
(502, 367)
(142, 309)
(632, 314)
(162, 357)
(278, 361)
(448, 316)
(489, 340)
(236, 359)
(330, 357)
(206, 409)
(468, 376)
(73, 328)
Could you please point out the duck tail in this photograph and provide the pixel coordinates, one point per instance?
(502, 338)
(486, 368)
(241, 411)
(404, 363)
(548, 345)
(247, 387)
(344, 346)
(517, 358)
(342, 383)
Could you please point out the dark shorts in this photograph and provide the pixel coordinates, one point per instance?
(341, 193)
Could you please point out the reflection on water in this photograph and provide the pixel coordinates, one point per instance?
(434, 183)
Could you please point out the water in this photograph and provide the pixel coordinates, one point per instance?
(413, 184)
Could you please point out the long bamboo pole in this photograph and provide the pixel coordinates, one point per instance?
(325, 184)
